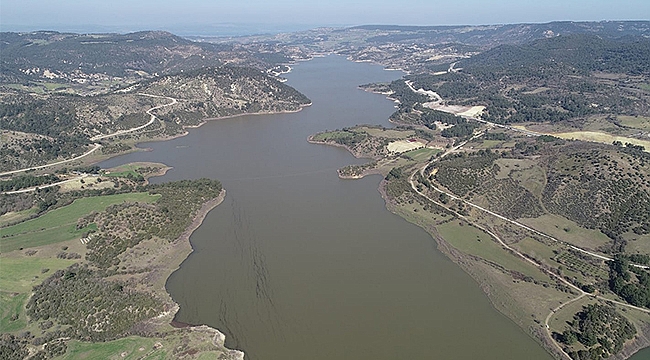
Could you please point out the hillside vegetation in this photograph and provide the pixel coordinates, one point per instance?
(597, 186)
(565, 80)
(43, 128)
(104, 287)
(430, 49)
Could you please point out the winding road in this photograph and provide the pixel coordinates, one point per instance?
(527, 132)
(581, 293)
(100, 137)
(151, 121)
(97, 146)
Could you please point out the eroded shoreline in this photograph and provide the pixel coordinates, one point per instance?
(171, 258)
(178, 253)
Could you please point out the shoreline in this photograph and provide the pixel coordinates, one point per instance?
(186, 132)
(310, 139)
(179, 251)
(375, 62)
(640, 342)
(104, 157)
(485, 282)
(186, 129)
(181, 248)
(387, 94)
(463, 261)
(204, 121)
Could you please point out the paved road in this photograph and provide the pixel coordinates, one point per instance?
(97, 146)
(43, 186)
(151, 121)
(99, 137)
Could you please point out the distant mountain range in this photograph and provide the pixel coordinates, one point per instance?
(44, 55)
(41, 54)
(491, 35)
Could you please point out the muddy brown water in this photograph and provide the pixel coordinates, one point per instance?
(299, 264)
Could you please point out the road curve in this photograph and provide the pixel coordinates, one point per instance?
(506, 246)
(151, 120)
(515, 251)
(97, 146)
(514, 222)
(99, 137)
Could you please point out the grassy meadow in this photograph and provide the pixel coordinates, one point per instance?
(60, 225)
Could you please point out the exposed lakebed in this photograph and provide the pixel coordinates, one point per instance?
(299, 264)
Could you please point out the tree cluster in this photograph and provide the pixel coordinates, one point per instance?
(27, 181)
(95, 309)
(123, 226)
(462, 130)
(600, 329)
(629, 282)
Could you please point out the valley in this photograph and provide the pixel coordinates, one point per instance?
(521, 151)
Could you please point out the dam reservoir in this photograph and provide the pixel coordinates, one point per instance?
(299, 264)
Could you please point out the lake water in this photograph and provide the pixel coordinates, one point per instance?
(299, 264)
(643, 354)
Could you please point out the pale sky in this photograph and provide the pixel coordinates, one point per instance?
(131, 15)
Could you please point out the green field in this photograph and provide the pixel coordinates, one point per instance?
(534, 248)
(125, 170)
(12, 304)
(54, 86)
(507, 166)
(60, 224)
(566, 230)
(34, 88)
(133, 173)
(637, 243)
(603, 138)
(128, 348)
(532, 179)
(17, 278)
(423, 154)
(21, 274)
(473, 241)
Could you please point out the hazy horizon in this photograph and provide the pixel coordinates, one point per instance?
(203, 17)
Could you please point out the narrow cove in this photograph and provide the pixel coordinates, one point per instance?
(297, 263)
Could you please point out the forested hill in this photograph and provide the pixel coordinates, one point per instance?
(579, 82)
(38, 128)
(583, 53)
(54, 55)
(242, 85)
(213, 92)
(492, 35)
